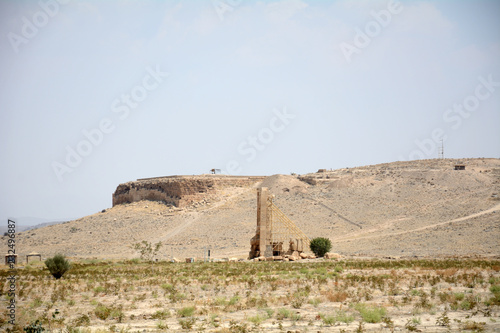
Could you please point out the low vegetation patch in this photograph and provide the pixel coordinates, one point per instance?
(371, 313)
(397, 295)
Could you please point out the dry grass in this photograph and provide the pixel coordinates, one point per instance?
(131, 296)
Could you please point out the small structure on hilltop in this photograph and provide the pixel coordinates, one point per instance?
(274, 229)
(459, 166)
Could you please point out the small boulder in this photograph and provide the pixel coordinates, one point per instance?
(330, 255)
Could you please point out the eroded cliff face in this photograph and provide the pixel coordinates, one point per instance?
(179, 191)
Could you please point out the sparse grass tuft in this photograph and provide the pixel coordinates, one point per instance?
(186, 311)
(370, 314)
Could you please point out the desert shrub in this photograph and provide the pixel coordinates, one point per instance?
(443, 320)
(162, 326)
(82, 320)
(343, 317)
(57, 265)
(283, 313)
(235, 299)
(371, 314)
(320, 246)
(234, 326)
(187, 323)
(168, 288)
(257, 319)
(473, 326)
(117, 314)
(411, 325)
(186, 312)
(328, 320)
(269, 312)
(102, 311)
(147, 250)
(161, 314)
(495, 290)
(299, 298)
(35, 327)
(315, 302)
(339, 316)
(336, 295)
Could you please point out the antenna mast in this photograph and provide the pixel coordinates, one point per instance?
(441, 150)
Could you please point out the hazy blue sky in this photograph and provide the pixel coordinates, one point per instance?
(95, 94)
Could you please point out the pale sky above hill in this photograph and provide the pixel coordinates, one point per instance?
(95, 94)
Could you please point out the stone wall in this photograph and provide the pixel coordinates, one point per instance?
(179, 191)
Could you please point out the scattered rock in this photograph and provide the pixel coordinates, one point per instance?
(331, 255)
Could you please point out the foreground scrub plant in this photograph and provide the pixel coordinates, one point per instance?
(320, 246)
(57, 265)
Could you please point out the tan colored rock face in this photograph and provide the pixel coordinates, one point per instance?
(179, 191)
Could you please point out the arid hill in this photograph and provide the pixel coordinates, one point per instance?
(416, 208)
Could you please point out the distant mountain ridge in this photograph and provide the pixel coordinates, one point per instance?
(29, 223)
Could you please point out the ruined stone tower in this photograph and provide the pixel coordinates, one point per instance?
(274, 228)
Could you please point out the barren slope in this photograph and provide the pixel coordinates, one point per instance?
(422, 208)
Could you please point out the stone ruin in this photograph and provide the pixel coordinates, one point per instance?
(179, 191)
(274, 230)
